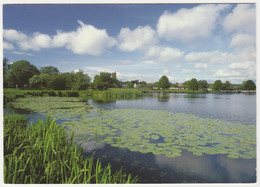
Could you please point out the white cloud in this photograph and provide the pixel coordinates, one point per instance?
(214, 57)
(188, 24)
(21, 53)
(136, 39)
(242, 41)
(190, 71)
(201, 66)
(166, 71)
(164, 54)
(238, 71)
(13, 35)
(36, 42)
(242, 19)
(98, 69)
(86, 40)
(8, 46)
(149, 62)
(242, 66)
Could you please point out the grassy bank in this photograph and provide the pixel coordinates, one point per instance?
(11, 94)
(174, 91)
(41, 153)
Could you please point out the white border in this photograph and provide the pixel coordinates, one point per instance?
(257, 2)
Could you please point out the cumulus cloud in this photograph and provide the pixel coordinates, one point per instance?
(36, 42)
(188, 24)
(241, 19)
(136, 39)
(164, 54)
(238, 71)
(214, 57)
(13, 35)
(242, 41)
(85, 40)
(8, 46)
(190, 71)
(201, 66)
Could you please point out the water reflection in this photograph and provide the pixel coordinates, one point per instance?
(90, 146)
(190, 164)
(240, 170)
(217, 168)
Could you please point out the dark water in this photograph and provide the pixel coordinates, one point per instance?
(187, 168)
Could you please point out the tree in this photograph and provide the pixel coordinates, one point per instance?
(20, 72)
(227, 86)
(6, 67)
(203, 85)
(51, 70)
(142, 84)
(129, 84)
(57, 82)
(193, 84)
(104, 80)
(164, 82)
(249, 85)
(218, 85)
(81, 81)
(41, 81)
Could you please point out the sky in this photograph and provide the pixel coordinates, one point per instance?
(137, 41)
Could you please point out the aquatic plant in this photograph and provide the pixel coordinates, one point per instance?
(155, 131)
(41, 153)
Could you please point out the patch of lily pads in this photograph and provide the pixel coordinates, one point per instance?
(148, 131)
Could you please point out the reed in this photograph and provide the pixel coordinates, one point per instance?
(41, 153)
(10, 95)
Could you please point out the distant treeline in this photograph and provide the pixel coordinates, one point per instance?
(22, 74)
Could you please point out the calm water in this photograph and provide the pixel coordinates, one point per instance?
(187, 168)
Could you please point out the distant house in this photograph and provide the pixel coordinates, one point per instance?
(122, 84)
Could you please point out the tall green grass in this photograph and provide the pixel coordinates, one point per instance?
(10, 95)
(41, 153)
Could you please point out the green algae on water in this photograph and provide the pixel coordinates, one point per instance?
(148, 131)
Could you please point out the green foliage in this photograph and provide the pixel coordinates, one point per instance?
(43, 154)
(227, 86)
(164, 82)
(81, 81)
(193, 84)
(129, 84)
(63, 81)
(218, 85)
(20, 72)
(58, 82)
(249, 85)
(51, 70)
(41, 81)
(104, 80)
(203, 84)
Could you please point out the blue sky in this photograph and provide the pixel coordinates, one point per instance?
(138, 41)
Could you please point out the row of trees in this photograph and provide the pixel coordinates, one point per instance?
(24, 74)
(194, 84)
